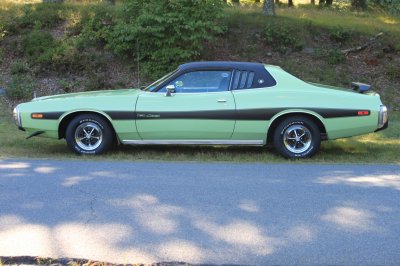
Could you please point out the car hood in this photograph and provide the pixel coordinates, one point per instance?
(123, 92)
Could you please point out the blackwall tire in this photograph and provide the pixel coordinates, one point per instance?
(297, 137)
(89, 134)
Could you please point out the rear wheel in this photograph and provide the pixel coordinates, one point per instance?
(89, 134)
(297, 137)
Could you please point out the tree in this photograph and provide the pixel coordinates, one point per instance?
(290, 3)
(359, 4)
(269, 8)
(325, 2)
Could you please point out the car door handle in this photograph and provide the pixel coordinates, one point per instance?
(221, 100)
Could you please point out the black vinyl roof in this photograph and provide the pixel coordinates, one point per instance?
(222, 64)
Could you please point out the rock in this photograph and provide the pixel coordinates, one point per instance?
(308, 50)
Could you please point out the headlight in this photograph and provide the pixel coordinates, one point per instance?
(383, 116)
(17, 117)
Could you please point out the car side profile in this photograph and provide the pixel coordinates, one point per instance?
(209, 103)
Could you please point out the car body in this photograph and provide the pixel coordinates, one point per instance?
(212, 103)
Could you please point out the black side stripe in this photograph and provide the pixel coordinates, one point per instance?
(246, 114)
(121, 115)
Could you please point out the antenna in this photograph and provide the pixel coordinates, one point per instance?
(138, 63)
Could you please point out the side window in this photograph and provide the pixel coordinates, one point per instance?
(243, 80)
(201, 81)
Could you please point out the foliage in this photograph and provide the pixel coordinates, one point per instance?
(359, 4)
(95, 23)
(20, 87)
(38, 16)
(391, 6)
(393, 71)
(19, 68)
(37, 43)
(340, 34)
(331, 56)
(45, 52)
(282, 37)
(164, 33)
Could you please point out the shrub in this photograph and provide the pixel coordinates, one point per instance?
(393, 71)
(282, 38)
(19, 68)
(391, 6)
(37, 43)
(331, 56)
(164, 33)
(21, 87)
(340, 34)
(43, 15)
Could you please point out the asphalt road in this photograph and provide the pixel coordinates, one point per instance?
(258, 214)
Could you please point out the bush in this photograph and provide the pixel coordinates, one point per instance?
(393, 71)
(163, 33)
(331, 56)
(391, 6)
(340, 34)
(282, 38)
(39, 16)
(19, 68)
(37, 43)
(21, 87)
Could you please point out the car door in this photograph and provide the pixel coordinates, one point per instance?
(199, 107)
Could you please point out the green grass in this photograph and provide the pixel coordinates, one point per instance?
(371, 22)
(382, 147)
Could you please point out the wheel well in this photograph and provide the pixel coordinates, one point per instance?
(62, 128)
(278, 120)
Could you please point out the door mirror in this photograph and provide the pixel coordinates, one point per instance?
(170, 90)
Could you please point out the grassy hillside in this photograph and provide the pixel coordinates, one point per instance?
(62, 48)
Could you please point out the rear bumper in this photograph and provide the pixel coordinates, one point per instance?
(385, 126)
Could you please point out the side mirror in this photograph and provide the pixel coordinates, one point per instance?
(170, 90)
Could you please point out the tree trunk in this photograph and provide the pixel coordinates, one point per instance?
(329, 2)
(290, 3)
(269, 8)
(313, 2)
(236, 2)
(359, 4)
(321, 2)
(277, 2)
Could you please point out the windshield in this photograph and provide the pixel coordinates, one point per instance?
(158, 82)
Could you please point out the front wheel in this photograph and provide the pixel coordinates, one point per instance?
(89, 134)
(297, 137)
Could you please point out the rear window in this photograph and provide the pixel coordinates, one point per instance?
(243, 80)
(251, 79)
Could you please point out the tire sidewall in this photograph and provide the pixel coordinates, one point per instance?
(103, 125)
(280, 131)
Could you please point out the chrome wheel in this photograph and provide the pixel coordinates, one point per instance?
(297, 138)
(88, 136)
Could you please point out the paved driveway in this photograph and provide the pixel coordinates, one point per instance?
(201, 213)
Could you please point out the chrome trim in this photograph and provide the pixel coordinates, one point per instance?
(17, 117)
(88, 136)
(383, 116)
(297, 139)
(194, 142)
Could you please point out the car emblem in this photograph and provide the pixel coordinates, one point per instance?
(261, 81)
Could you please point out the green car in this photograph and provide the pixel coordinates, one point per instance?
(210, 103)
